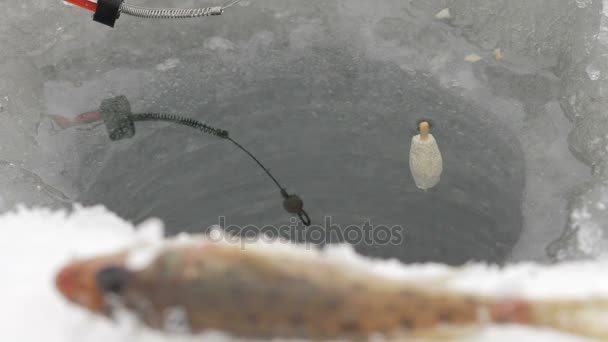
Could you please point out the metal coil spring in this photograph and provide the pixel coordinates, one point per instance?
(169, 13)
(182, 121)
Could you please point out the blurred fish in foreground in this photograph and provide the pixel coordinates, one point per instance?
(196, 286)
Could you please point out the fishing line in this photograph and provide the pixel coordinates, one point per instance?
(232, 4)
(192, 123)
(119, 121)
(291, 203)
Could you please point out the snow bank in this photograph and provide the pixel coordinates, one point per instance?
(36, 243)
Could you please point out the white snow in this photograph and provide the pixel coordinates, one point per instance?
(443, 14)
(37, 242)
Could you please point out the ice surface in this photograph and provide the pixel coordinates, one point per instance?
(326, 93)
(329, 106)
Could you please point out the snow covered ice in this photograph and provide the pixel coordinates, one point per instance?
(327, 94)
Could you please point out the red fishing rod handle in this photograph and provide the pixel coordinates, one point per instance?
(86, 4)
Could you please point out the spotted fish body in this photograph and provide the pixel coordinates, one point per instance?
(228, 290)
(256, 295)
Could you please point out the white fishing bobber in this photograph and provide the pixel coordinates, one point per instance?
(426, 163)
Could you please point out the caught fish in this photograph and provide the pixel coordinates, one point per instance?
(260, 294)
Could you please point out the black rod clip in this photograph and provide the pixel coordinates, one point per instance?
(107, 11)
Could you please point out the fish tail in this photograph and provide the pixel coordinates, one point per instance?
(582, 318)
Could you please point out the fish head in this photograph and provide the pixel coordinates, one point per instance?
(78, 282)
